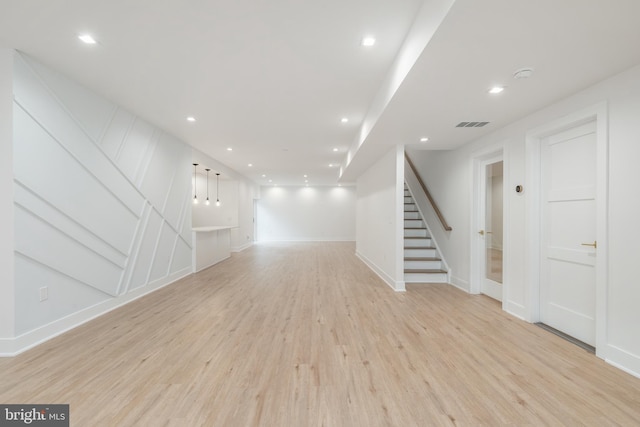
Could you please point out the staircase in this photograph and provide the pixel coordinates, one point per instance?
(422, 261)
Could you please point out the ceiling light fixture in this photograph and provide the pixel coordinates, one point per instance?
(523, 73)
(250, 165)
(229, 149)
(264, 175)
(195, 180)
(191, 119)
(496, 90)
(335, 150)
(87, 38)
(424, 139)
(207, 201)
(344, 120)
(330, 165)
(368, 41)
(217, 188)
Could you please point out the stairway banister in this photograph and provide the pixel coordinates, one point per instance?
(444, 223)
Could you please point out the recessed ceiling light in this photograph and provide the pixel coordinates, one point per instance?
(330, 165)
(270, 180)
(229, 149)
(87, 38)
(424, 139)
(250, 165)
(344, 120)
(523, 73)
(305, 175)
(191, 119)
(368, 41)
(264, 176)
(306, 180)
(335, 150)
(496, 89)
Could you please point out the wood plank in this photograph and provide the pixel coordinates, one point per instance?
(304, 334)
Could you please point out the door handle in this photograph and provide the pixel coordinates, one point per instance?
(594, 244)
(481, 232)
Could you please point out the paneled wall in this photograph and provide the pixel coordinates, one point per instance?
(102, 209)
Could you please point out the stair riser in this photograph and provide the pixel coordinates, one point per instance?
(416, 233)
(412, 243)
(419, 253)
(425, 278)
(413, 223)
(412, 215)
(423, 265)
(410, 208)
(408, 199)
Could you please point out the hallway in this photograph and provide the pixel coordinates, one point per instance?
(304, 334)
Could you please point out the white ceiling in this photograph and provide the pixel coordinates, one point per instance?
(272, 79)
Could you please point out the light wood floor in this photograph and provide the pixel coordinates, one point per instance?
(306, 335)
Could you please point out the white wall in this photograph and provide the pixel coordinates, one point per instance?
(226, 213)
(237, 195)
(7, 312)
(449, 173)
(380, 218)
(102, 207)
(244, 235)
(294, 213)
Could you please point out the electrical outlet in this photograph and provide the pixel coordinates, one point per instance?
(44, 293)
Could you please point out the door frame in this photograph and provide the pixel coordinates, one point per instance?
(533, 199)
(480, 160)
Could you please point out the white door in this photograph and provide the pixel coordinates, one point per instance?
(491, 233)
(568, 240)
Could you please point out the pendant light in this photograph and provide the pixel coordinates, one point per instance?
(217, 188)
(195, 179)
(207, 202)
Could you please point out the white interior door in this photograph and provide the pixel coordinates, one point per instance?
(568, 240)
(492, 231)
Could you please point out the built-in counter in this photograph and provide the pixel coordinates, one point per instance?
(211, 245)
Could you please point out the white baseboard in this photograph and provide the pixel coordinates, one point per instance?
(461, 284)
(515, 309)
(398, 286)
(622, 359)
(242, 247)
(26, 341)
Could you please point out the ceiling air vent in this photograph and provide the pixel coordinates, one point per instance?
(471, 124)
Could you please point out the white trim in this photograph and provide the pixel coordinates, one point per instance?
(515, 309)
(398, 286)
(24, 342)
(599, 113)
(621, 359)
(479, 162)
(242, 247)
(459, 283)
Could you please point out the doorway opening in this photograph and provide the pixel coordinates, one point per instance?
(488, 226)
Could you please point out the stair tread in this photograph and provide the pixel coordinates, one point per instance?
(420, 247)
(415, 228)
(425, 271)
(422, 259)
(414, 237)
